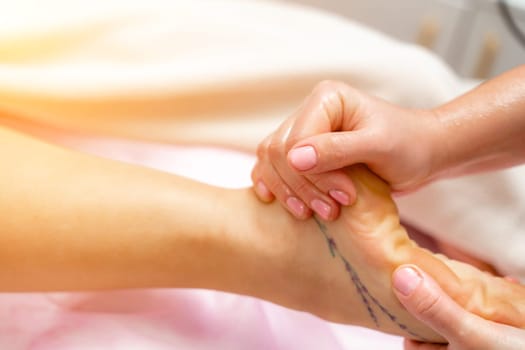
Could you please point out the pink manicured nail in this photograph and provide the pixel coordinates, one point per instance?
(321, 208)
(296, 206)
(262, 190)
(303, 158)
(406, 280)
(340, 196)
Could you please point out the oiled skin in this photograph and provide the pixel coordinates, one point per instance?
(377, 220)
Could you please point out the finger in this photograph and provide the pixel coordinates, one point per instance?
(261, 190)
(425, 300)
(321, 203)
(329, 151)
(322, 110)
(262, 148)
(331, 107)
(415, 345)
(282, 192)
(276, 139)
(300, 187)
(326, 98)
(294, 191)
(337, 184)
(259, 186)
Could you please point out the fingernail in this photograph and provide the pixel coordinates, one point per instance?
(321, 208)
(340, 196)
(296, 206)
(303, 158)
(262, 190)
(406, 280)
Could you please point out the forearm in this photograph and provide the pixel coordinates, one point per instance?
(485, 128)
(72, 221)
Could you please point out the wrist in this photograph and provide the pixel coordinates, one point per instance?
(440, 150)
(483, 129)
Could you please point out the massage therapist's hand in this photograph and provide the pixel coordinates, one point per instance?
(425, 300)
(337, 126)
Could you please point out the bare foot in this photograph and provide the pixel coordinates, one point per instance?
(341, 271)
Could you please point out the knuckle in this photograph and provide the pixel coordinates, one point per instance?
(261, 152)
(319, 181)
(303, 187)
(428, 307)
(275, 149)
(291, 142)
(279, 188)
(262, 149)
(274, 186)
(325, 181)
(332, 101)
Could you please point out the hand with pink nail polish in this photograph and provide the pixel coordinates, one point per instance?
(426, 301)
(338, 126)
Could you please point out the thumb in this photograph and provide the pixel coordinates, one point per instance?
(427, 302)
(330, 151)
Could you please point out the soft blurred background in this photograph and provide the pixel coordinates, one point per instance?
(478, 38)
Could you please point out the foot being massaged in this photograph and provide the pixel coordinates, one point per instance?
(332, 243)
